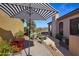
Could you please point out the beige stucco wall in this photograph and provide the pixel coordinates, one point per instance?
(9, 25)
(73, 40)
(66, 26)
(74, 45)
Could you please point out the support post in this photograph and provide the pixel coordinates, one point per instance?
(29, 28)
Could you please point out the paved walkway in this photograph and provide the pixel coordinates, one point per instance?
(40, 50)
(36, 50)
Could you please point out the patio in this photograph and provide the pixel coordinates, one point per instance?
(36, 50)
(28, 11)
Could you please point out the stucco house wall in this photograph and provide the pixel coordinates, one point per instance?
(66, 25)
(74, 45)
(9, 26)
(73, 40)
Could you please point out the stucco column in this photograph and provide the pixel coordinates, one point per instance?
(56, 16)
(55, 25)
(66, 28)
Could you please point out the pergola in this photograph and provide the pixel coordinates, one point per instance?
(21, 10)
(29, 11)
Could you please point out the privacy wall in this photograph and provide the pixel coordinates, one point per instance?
(9, 26)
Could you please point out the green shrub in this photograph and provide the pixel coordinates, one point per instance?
(44, 38)
(41, 37)
(19, 34)
(61, 32)
(5, 48)
(25, 29)
(59, 36)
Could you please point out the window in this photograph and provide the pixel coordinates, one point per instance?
(61, 27)
(74, 26)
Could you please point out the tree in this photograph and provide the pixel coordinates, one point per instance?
(32, 25)
(25, 29)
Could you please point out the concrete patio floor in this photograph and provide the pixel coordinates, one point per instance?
(36, 50)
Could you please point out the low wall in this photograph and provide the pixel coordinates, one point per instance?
(48, 41)
(74, 45)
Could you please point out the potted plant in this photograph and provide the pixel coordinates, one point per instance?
(19, 34)
(17, 45)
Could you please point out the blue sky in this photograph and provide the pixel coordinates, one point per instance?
(63, 9)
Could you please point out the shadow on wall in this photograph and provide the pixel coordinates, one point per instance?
(7, 35)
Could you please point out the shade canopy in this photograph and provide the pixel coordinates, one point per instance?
(39, 11)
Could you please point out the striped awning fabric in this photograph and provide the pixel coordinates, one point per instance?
(21, 10)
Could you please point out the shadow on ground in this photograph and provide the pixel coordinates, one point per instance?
(61, 48)
(64, 51)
